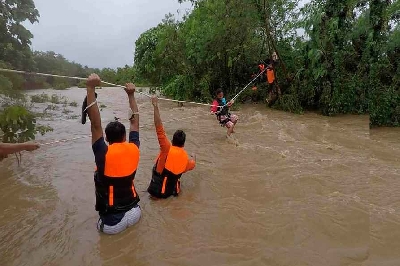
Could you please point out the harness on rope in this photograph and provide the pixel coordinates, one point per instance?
(226, 120)
(223, 110)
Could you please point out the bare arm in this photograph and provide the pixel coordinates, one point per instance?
(134, 121)
(157, 117)
(9, 148)
(191, 164)
(93, 111)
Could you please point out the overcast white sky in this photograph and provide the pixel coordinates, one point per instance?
(98, 33)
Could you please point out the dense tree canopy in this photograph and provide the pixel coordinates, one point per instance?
(335, 56)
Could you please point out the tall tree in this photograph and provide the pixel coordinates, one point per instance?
(14, 37)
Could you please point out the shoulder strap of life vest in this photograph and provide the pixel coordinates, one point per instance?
(122, 160)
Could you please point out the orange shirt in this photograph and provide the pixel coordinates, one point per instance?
(165, 144)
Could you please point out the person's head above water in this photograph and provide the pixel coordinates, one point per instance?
(179, 139)
(115, 132)
(220, 94)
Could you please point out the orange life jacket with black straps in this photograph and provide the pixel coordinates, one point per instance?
(270, 75)
(115, 190)
(167, 182)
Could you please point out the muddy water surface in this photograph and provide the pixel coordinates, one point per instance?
(290, 190)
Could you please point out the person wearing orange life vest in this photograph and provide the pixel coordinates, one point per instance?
(171, 162)
(116, 164)
(274, 88)
(270, 74)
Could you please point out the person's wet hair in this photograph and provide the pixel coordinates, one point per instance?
(218, 91)
(179, 139)
(115, 132)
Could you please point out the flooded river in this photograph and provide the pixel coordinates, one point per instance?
(292, 190)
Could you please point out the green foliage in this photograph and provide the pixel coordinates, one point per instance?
(73, 104)
(61, 84)
(14, 37)
(290, 103)
(19, 125)
(5, 85)
(66, 111)
(51, 107)
(82, 84)
(250, 95)
(40, 98)
(347, 60)
(57, 99)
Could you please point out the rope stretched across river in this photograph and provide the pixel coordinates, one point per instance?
(116, 85)
(89, 135)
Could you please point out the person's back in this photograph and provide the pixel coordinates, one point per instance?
(116, 164)
(171, 162)
(116, 180)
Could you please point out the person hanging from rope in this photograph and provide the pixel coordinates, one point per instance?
(10, 148)
(172, 161)
(116, 164)
(221, 109)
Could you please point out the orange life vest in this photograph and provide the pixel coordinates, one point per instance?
(115, 190)
(270, 76)
(167, 182)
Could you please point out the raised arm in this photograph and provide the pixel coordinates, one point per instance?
(134, 121)
(157, 117)
(162, 137)
(93, 111)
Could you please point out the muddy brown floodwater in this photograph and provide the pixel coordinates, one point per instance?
(293, 190)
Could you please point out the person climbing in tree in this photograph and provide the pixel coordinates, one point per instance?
(273, 87)
(268, 67)
(221, 109)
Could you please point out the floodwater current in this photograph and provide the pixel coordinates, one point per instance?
(288, 190)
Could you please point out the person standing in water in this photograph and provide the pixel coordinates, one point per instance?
(221, 109)
(172, 161)
(116, 164)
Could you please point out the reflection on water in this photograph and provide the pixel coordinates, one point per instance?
(289, 190)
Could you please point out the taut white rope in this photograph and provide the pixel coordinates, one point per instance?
(116, 85)
(240, 92)
(88, 136)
